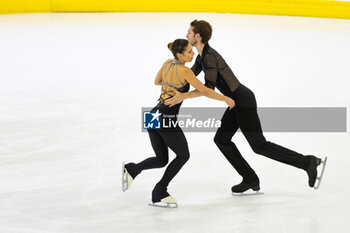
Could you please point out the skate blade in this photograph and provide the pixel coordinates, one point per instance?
(247, 193)
(124, 179)
(319, 178)
(164, 205)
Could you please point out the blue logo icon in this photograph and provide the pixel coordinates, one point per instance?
(151, 120)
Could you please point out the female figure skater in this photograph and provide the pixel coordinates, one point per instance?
(173, 75)
(244, 115)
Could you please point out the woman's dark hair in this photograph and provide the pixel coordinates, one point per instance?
(178, 46)
(203, 28)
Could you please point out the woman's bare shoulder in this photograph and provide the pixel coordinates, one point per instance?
(167, 62)
(184, 69)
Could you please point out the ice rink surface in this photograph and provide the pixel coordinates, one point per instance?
(71, 91)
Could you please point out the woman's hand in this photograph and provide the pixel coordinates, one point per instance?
(230, 102)
(177, 98)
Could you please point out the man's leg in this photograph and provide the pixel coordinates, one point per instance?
(229, 126)
(250, 126)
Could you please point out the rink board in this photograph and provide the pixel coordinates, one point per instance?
(309, 8)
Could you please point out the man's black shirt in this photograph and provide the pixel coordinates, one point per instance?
(217, 73)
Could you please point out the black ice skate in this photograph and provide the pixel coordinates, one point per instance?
(313, 173)
(243, 188)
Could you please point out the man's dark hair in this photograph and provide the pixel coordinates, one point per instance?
(203, 28)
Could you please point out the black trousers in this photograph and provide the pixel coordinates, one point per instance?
(161, 140)
(244, 116)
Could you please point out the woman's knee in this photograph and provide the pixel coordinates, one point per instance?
(217, 139)
(184, 156)
(163, 162)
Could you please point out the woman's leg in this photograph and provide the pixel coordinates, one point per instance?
(176, 141)
(161, 159)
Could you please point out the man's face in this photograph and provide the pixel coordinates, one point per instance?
(191, 37)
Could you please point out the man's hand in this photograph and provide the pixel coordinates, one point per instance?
(177, 98)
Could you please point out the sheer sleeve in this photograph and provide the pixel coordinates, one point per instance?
(211, 71)
(197, 67)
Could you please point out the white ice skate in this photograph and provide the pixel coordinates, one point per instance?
(167, 202)
(126, 179)
(319, 178)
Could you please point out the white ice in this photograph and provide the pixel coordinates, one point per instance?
(71, 91)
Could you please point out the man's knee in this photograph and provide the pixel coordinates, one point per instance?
(186, 156)
(220, 139)
(258, 148)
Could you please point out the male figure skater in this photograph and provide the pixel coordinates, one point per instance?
(244, 115)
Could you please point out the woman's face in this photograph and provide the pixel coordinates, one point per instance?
(187, 55)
